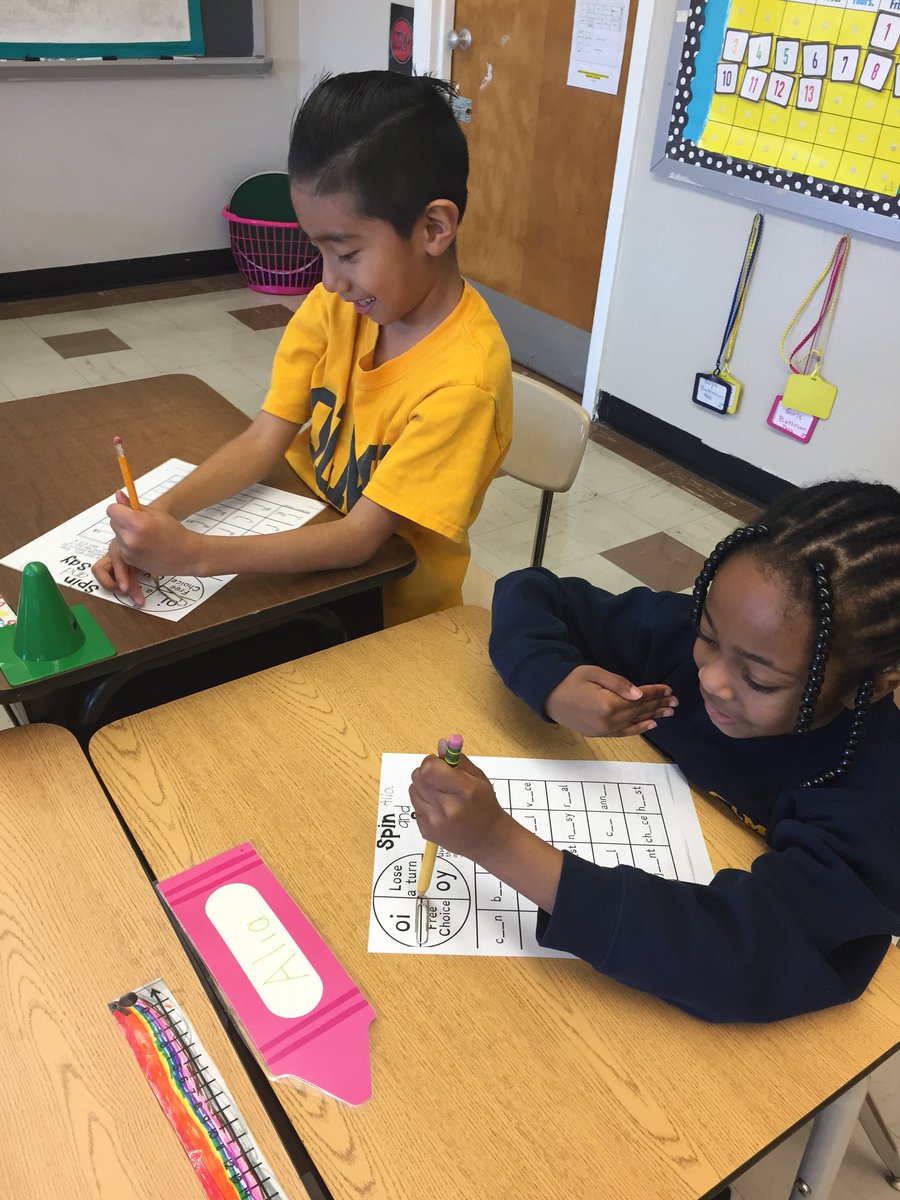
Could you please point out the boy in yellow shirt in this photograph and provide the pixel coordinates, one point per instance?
(391, 391)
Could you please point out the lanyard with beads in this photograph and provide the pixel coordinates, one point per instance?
(719, 389)
(806, 391)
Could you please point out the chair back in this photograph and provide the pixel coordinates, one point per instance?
(550, 433)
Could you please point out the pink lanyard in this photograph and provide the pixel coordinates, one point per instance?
(826, 315)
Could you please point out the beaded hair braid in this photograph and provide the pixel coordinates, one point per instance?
(740, 537)
(838, 534)
(824, 623)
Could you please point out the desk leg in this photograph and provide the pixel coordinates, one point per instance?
(827, 1145)
(361, 613)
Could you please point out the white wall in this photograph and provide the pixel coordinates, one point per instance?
(679, 257)
(99, 170)
(342, 35)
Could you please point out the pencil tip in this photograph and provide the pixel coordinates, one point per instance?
(421, 921)
(117, 441)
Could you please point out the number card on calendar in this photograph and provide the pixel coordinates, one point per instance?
(786, 53)
(612, 813)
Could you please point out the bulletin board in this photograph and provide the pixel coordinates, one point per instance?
(791, 104)
(101, 28)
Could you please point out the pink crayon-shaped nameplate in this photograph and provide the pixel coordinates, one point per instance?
(302, 1010)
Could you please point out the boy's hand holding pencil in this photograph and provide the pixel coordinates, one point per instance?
(147, 539)
(112, 571)
(152, 540)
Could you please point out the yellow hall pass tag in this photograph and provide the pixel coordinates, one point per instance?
(736, 388)
(810, 394)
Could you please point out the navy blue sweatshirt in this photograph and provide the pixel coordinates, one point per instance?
(807, 926)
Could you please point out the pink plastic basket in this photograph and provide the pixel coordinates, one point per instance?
(275, 257)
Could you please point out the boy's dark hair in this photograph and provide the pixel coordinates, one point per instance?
(391, 140)
(837, 545)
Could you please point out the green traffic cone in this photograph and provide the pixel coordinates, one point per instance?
(46, 629)
(49, 636)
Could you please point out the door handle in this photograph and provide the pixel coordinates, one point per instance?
(459, 39)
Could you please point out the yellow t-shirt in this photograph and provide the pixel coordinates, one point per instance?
(422, 435)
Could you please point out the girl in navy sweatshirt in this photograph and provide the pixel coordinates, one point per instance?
(771, 689)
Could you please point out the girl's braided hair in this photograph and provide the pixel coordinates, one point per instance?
(837, 547)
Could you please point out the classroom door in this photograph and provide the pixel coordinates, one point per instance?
(542, 156)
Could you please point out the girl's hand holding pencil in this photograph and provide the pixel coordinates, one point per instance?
(456, 807)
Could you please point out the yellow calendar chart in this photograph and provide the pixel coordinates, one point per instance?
(811, 87)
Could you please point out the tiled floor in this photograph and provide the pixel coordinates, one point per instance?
(620, 525)
(631, 517)
(225, 336)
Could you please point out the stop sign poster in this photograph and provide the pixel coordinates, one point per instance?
(400, 40)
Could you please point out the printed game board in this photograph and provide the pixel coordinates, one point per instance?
(612, 813)
(70, 550)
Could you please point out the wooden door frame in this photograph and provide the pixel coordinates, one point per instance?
(434, 20)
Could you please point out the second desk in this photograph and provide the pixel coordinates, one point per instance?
(515, 1078)
(56, 458)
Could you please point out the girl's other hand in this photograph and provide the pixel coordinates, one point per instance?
(598, 703)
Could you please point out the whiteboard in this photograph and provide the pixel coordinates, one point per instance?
(44, 28)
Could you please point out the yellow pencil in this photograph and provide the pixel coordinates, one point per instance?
(128, 480)
(126, 473)
(451, 757)
(426, 868)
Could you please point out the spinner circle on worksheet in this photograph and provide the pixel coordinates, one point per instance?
(394, 902)
(169, 594)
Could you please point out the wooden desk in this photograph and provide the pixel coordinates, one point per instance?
(56, 458)
(508, 1078)
(81, 926)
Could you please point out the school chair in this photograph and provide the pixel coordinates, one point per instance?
(830, 1137)
(550, 433)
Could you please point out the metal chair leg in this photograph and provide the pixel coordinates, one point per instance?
(827, 1145)
(540, 534)
(882, 1140)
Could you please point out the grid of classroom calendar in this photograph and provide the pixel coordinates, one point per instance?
(813, 88)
